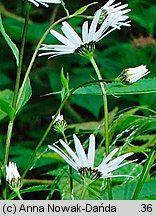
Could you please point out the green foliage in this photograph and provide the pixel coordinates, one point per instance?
(141, 87)
(126, 191)
(24, 95)
(9, 42)
(83, 9)
(6, 97)
(149, 162)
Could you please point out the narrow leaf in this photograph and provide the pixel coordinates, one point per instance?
(9, 42)
(32, 189)
(82, 9)
(24, 95)
(144, 86)
(149, 162)
(64, 80)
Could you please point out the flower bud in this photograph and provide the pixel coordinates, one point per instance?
(60, 124)
(13, 177)
(131, 75)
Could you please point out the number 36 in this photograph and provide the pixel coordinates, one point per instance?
(146, 207)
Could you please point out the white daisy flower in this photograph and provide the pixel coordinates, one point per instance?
(90, 35)
(44, 2)
(108, 8)
(12, 176)
(131, 75)
(84, 164)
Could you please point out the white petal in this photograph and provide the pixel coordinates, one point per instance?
(107, 159)
(64, 156)
(119, 159)
(108, 3)
(12, 172)
(101, 35)
(55, 47)
(93, 26)
(71, 153)
(43, 2)
(50, 1)
(54, 53)
(35, 3)
(115, 176)
(71, 34)
(80, 152)
(85, 32)
(112, 168)
(103, 28)
(61, 38)
(91, 151)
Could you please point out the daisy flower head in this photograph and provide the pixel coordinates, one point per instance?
(44, 2)
(112, 9)
(12, 176)
(73, 43)
(131, 75)
(84, 164)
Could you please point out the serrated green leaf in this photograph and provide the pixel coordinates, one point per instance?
(144, 86)
(82, 9)
(24, 95)
(141, 87)
(9, 42)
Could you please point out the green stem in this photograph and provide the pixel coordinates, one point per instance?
(70, 171)
(17, 191)
(8, 139)
(19, 69)
(35, 54)
(83, 193)
(3, 182)
(86, 184)
(106, 127)
(19, 196)
(48, 130)
(22, 87)
(44, 136)
(64, 7)
(106, 122)
(11, 122)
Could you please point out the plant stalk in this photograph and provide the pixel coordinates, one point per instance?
(106, 122)
(19, 69)
(70, 171)
(11, 122)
